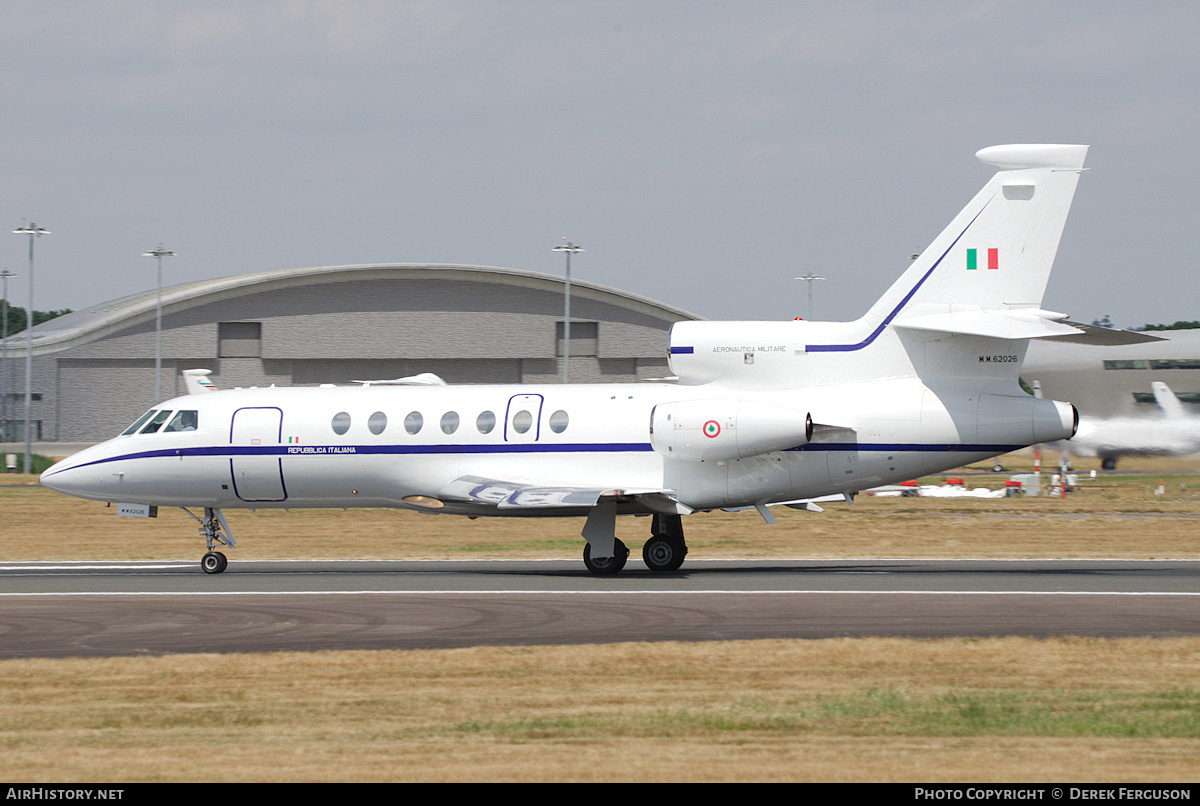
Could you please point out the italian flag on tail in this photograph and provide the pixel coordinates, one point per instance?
(993, 259)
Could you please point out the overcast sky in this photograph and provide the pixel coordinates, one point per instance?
(703, 153)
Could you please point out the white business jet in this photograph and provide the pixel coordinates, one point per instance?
(1171, 431)
(759, 413)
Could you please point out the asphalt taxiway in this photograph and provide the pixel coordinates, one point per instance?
(95, 609)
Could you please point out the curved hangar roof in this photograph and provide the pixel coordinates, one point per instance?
(101, 320)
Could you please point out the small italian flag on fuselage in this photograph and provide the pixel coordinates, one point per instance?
(993, 258)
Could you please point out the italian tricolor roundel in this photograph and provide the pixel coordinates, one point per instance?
(712, 428)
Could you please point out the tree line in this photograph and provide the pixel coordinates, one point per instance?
(16, 318)
(1180, 325)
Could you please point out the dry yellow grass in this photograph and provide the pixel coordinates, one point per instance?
(833, 710)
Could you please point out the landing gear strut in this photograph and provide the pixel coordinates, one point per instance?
(666, 548)
(663, 552)
(216, 533)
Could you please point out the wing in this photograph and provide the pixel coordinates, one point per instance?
(518, 495)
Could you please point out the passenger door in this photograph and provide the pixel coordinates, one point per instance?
(255, 464)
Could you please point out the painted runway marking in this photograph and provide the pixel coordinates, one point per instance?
(643, 592)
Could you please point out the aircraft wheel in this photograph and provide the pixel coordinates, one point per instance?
(1108, 463)
(609, 565)
(663, 555)
(214, 562)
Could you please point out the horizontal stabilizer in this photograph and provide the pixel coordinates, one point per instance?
(1021, 324)
(1104, 336)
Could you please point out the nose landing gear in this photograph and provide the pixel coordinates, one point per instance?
(216, 533)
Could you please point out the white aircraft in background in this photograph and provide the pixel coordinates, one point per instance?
(760, 413)
(1171, 432)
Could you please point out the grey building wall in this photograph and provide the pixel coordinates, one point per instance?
(342, 326)
(1115, 381)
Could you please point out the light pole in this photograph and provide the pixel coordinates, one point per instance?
(5, 273)
(158, 254)
(570, 249)
(33, 231)
(810, 277)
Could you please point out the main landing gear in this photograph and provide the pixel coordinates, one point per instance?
(606, 566)
(662, 553)
(216, 533)
(665, 550)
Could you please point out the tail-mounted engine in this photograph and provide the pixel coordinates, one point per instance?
(721, 430)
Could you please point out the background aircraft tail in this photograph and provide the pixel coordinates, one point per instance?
(1167, 401)
(197, 381)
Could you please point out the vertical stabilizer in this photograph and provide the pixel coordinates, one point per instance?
(1167, 401)
(197, 381)
(997, 253)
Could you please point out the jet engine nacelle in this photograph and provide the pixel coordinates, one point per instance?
(1060, 423)
(721, 430)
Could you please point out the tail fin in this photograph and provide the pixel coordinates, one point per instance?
(197, 381)
(1167, 401)
(995, 257)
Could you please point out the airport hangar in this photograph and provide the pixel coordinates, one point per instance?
(93, 369)
(1114, 380)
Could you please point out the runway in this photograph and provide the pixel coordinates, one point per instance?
(109, 609)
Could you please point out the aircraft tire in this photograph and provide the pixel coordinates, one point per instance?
(663, 555)
(214, 562)
(608, 566)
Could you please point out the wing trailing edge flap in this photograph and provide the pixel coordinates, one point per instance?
(805, 504)
(517, 495)
(1022, 324)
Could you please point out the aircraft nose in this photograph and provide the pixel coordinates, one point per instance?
(73, 476)
(58, 477)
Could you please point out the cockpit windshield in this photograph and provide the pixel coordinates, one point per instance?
(184, 420)
(139, 422)
(152, 421)
(156, 422)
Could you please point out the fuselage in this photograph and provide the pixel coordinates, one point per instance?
(410, 446)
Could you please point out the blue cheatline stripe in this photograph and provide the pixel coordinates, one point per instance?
(845, 348)
(903, 447)
(682, 350)
(529, 448)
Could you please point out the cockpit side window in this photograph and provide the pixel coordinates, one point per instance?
(139, 423)
(156, 422)
(184, 420)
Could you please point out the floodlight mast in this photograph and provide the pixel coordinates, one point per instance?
(569, 249)
(158, 254)
(4, 273)
(34, 232)
(810, 277)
